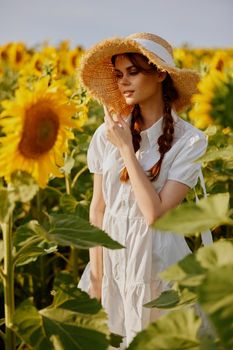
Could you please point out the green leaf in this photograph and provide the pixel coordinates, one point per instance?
(29, 246)
(173, 300)
(187, 272)
(216, 255)
(68, 296)
(215, 153)
(7, 205)
(174, 331)
(68, 203)
(208, 343)
(192, 269)
(28, 324)
(65, 328)
(68, 229)
(82, 210)
(23, 235)
(76, 331)
(115, 340)
(167, 299)
(69, 163)
(25, 187)
(216, 298)
(190, 218)
(211, 130)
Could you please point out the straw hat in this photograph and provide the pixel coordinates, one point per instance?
(98, 76)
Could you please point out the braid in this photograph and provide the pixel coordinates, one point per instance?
(170, 94)
(136, 137)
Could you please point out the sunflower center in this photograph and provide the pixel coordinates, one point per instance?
(18, 56)
(40, 131)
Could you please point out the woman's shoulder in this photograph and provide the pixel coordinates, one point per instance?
(100, 130)
(96, 150)
(99, 136)
(183, 130)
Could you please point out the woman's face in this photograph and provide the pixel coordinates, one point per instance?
(137, 87)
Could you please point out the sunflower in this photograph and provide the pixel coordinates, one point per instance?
(214, 102)
(184, 58)
(220, 60)
(14, 54)
(36, 129)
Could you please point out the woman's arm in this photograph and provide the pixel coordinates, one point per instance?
(96, 213)
(151, 204)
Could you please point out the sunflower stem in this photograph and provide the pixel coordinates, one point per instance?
(68, 189)
(38, 205)
(78, 174)
(2, 274)
(74, 262)
(74, 251)
(54, 190)
(2, 335)
(8, 284)
(21, 346)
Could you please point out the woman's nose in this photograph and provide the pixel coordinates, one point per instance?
(124, 80)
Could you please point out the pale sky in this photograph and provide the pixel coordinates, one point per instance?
(201, 23)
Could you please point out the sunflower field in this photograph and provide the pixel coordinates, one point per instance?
(46, 123)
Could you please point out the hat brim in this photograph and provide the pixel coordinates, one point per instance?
(98, 76)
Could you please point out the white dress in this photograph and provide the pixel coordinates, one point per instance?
(131, 275)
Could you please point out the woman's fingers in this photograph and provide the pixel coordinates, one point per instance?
(105, 110)
(122, 121)
(113, 126)
(108, 117)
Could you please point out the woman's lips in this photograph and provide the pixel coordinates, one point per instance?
(128, 93)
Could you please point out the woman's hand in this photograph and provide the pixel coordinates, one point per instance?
(118, 132)
(95, 290)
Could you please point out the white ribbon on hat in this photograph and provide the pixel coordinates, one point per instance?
(156, 48)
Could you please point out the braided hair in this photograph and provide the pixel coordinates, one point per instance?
(169, 94)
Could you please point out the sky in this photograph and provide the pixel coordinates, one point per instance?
(199, 23)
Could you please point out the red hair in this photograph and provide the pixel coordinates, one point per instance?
(170, 94)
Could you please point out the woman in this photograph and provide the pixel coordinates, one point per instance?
(142, 158)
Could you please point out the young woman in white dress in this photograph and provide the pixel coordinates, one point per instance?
(142, 158)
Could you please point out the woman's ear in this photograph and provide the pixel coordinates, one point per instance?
(161, 75)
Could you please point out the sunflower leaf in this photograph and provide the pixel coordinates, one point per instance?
(68, 203)
(68, 229)
(173, 300)
(69, 164)
(28, 325)
(216, 298)
(25, 187)
(29, 246)
(72, 230)
(214, 153)
(191, 218)
(65, 328)
(177, 330)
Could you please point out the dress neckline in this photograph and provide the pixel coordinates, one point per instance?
(155, 130)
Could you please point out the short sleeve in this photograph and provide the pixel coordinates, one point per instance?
(95, 152)
(184, 168)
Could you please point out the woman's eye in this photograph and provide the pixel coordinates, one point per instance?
(133, 72)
